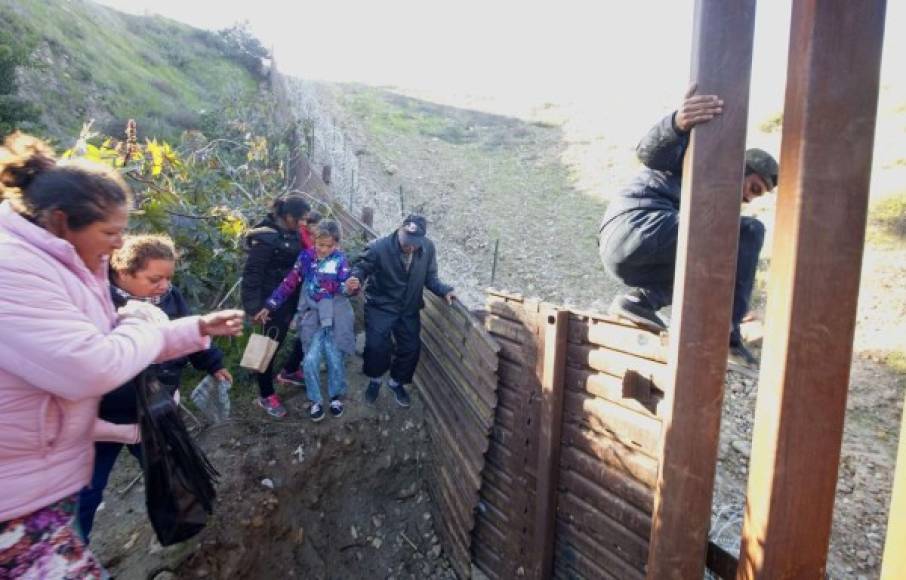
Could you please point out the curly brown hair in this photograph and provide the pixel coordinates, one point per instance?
(138, 250)
(36, 183)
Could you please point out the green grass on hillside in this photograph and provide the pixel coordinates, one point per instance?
(96, 62)
(384, 117)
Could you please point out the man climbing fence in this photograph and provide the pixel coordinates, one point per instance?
(638, 235)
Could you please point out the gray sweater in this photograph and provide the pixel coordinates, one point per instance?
(333, 313)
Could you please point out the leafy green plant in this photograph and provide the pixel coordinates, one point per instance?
(203, 192)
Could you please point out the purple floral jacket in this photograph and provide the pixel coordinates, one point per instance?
(319, 278)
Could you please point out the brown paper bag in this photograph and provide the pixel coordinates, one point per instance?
(258, 352)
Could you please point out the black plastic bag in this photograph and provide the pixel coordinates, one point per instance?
(179, 479)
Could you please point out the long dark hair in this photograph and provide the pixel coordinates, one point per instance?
(36, 183)
(291, 205)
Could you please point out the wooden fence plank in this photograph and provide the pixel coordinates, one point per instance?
(603, 500)
(632, 429)
(617, 363)
(608, 532)
(832, 90)
(623, 459)
(622, 486)
(631, 340)
(703, 290)
(585, 557)
(610, 388)
(550, 423)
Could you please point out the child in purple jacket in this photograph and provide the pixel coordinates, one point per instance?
(325, 315)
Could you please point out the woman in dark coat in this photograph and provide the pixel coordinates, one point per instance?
(273, 246)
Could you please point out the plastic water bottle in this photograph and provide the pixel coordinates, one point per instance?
(212, 397)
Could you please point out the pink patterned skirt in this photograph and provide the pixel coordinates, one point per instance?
(45, 545)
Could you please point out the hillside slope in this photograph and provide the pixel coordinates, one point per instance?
(91, 62)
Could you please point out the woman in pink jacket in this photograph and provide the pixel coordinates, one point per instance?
(62, 346)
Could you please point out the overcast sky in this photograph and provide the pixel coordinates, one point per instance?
(611, 52)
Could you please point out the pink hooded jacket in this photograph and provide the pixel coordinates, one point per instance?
(61, 349)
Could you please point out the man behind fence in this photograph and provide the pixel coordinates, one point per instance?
(397, 268)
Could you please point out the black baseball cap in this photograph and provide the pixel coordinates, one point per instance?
(413, 230)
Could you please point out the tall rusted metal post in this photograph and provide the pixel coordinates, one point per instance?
(703, 291)
(826, 151)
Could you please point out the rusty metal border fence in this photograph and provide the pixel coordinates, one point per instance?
(457, 380)
(568, 487)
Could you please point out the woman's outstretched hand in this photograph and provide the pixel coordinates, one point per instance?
(221, 323)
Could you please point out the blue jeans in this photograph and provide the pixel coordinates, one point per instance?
(322, 344)
(639, 249)
(90, 497)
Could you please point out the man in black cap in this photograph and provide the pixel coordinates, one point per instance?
(397, 267)
(638, 235)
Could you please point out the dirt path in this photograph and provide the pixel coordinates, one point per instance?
(343, 498)
(481, 177)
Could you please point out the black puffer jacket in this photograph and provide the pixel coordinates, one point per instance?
(658, 186)
(120, 405)
(272, 251)
(390, 287)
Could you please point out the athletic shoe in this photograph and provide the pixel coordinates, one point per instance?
(372, 390)
(635, 308)
(296, 379)
(739, 354)
(316, 412)
(402, 397)
(336, 408)
(273, 406)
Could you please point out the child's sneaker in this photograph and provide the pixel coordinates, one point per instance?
(296, 379)
(316, 412)
(372, 390)
(336, 407)
(273, 406)
(402, 397)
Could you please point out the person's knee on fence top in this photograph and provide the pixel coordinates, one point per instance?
(395, 270)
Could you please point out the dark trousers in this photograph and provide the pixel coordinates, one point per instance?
(90, 497)
(278, 326)
(391, 342)
(639, 249)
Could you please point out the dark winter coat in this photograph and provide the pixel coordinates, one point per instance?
(272, 251)
(658, 186)
(390, 287)
(119, 406)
